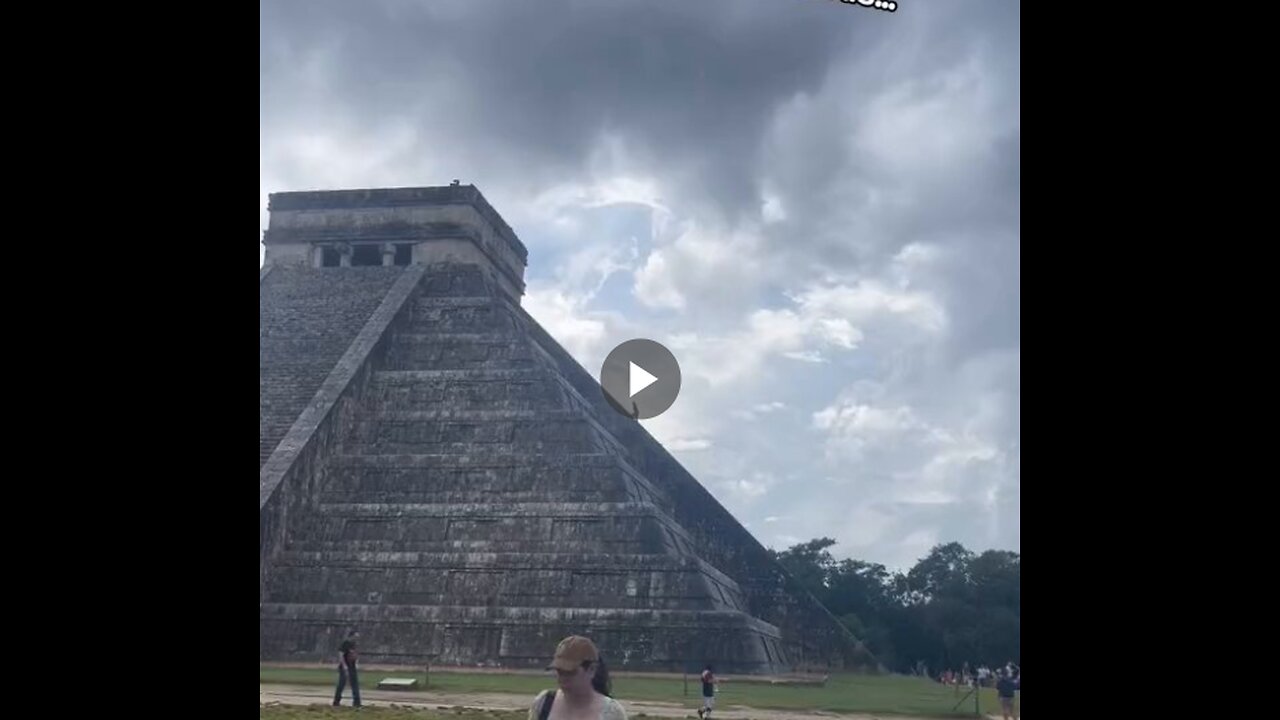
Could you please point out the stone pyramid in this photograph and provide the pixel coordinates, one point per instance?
(438, 472)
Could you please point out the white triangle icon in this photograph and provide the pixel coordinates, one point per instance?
(640, 379)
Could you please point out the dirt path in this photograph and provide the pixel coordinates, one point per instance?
(317, 695)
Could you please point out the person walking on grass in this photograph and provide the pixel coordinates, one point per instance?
(347, 669)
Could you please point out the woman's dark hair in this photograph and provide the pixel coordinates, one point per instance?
(600, 681)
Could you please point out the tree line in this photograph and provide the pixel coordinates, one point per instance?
(953, 607)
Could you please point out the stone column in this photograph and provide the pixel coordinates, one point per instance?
(388, 254)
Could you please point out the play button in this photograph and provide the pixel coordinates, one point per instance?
(640, 379)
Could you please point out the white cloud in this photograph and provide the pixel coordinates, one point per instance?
(855, 419)
(566, 318)
(904, 467)
(588, 268)
(687, 444)
(753, 488)
(655, 283)
(821, 320)
(932, 125)
(916, 255)
(772, 210)
(809, 356)
(562, 204)
(759, 409)
(838, 332)
(916, 545)
(926, 497)
(616, 190)
(705, 263)
(872, 299)
(567, 305)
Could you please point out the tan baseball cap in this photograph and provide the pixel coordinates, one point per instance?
(572, 652)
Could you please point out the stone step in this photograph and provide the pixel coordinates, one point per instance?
(495, 527)
(364, 613)
(482, 427)
(518, 636)
(461, 337)
(472, 415)
(483, 485)
(360, 579)
(445, 480)
(428, 302)
(529, 389)
(488, 561)
(413, 593)
(470, 449)
(423, 467)
(419, 343)
(459, 356)
(472, 314)
(456, 281)
(593, 562)
(488, 495)
(408, 578)
(632, 526)
(491, 460)
(482, 374)
(472, 396)
(579, 510)
(627, 546)
(489, 480)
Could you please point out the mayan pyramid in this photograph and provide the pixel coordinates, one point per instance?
(438, 472)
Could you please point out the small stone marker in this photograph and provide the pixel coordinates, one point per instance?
(398, 683)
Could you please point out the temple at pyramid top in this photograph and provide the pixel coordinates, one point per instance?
(395, 226)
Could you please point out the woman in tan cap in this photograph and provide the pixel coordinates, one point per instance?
(583, 686)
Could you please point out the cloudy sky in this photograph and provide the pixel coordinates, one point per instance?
(815, 205)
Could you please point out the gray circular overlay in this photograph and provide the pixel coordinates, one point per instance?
(640, 379)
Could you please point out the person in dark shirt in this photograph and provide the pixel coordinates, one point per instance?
(347, 657)
(1007, 689)
(708, 693)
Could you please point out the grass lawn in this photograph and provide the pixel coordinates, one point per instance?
(889, 694)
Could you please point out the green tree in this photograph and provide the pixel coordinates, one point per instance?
(952, 607)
